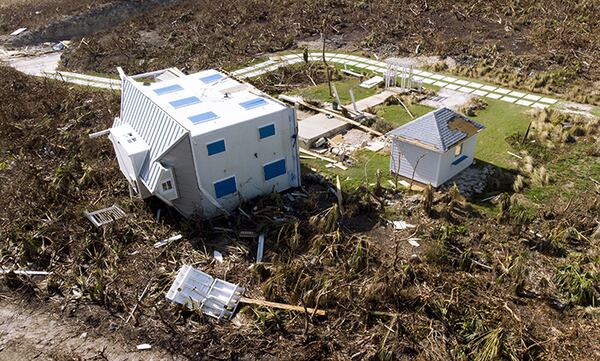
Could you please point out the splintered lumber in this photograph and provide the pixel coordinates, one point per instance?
(333, 114)
(318, 156)
(283, 306)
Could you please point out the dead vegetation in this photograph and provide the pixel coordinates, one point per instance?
(475, 288)
(544, 46)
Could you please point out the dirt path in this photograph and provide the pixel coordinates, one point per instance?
(27, 334)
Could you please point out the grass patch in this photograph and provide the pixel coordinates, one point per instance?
(321, 91)
(501, 120)
(363, 170)
(396, 114)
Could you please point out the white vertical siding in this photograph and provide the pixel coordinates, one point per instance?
(153, 124)
(448, 170)
(409, 156)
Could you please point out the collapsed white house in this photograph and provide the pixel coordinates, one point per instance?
(434, 147)
(203, 142)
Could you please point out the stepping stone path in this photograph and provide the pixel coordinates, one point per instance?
(441, 80)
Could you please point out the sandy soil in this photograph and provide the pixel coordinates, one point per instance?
(27, 334)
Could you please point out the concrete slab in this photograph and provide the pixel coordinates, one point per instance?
(494, 96)
(462, 82)
(449, 79)
(438, 76)
(428, 81)
(502, 91)
(548, 100)
(480, 93)
(475, 85)
(540, 105)
(489, 88)
(532, 97)
(440, 83)
(526, 103)
(318, 126)
(517, 94)
(466, 90)
(452, 86)
(508, 99)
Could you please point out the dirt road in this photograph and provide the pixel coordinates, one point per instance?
(27, 334)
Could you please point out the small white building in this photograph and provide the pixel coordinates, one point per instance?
(203, 142)
(434, 147)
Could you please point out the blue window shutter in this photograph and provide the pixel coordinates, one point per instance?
(184, 102)
(203, 117)
(249, 104)
(266, 131)
(225, 187)
(216, 147)
(459, 159)
(274, 169)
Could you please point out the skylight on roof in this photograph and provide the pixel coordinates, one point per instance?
(250, 104)
(203, 117)
(211, 78)
(180, 103)
(168, 89)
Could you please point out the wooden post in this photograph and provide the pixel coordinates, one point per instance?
(283, 306)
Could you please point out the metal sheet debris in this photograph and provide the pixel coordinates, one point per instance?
(18, 31)
(371, 83)
(197, 290)
(413, 242)
(144, 346)
(218, 256)
(402, 225)
(167, 241)
(261, 248)
(375, 146)
(105, 216)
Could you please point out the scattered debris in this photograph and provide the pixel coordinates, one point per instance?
(375, 146)
(318, 156)
(284, 306)
(413, 242)
(195, 289)
(218, 256)
(167, 241)
(352, 73)
(402, 225)
(18, 31)
(371, 83)
(144, 346)
(261, 248)
(105, 216)
(25, 272)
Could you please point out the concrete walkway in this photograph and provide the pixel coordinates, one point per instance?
(45, 65)
(441, 80)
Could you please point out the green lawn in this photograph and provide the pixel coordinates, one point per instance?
(367, 162)
(397, 115)
(501, 120)
(321, 91)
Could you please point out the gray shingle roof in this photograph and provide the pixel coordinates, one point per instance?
(432, 129)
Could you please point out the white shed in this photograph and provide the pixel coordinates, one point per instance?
(434, 147)
(203, 142)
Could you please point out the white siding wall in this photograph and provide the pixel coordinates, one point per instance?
(180, 159)
(426, 167)
(447, 170)
(244, 157)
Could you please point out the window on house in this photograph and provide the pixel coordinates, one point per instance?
(458, 150)
(225, 187)
(168, 89)
(180, 103)
(216, 147)
(203, 117)
(274, 169)
(266, 131)
(211, 78)
(167, 186)
(250, 104)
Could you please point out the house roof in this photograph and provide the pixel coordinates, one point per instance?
(438, 130)
(186, 104)
(209, 100)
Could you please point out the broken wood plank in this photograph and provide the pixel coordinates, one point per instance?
(25, 272)
(318, 156)
(333, 114)
(283, 306)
